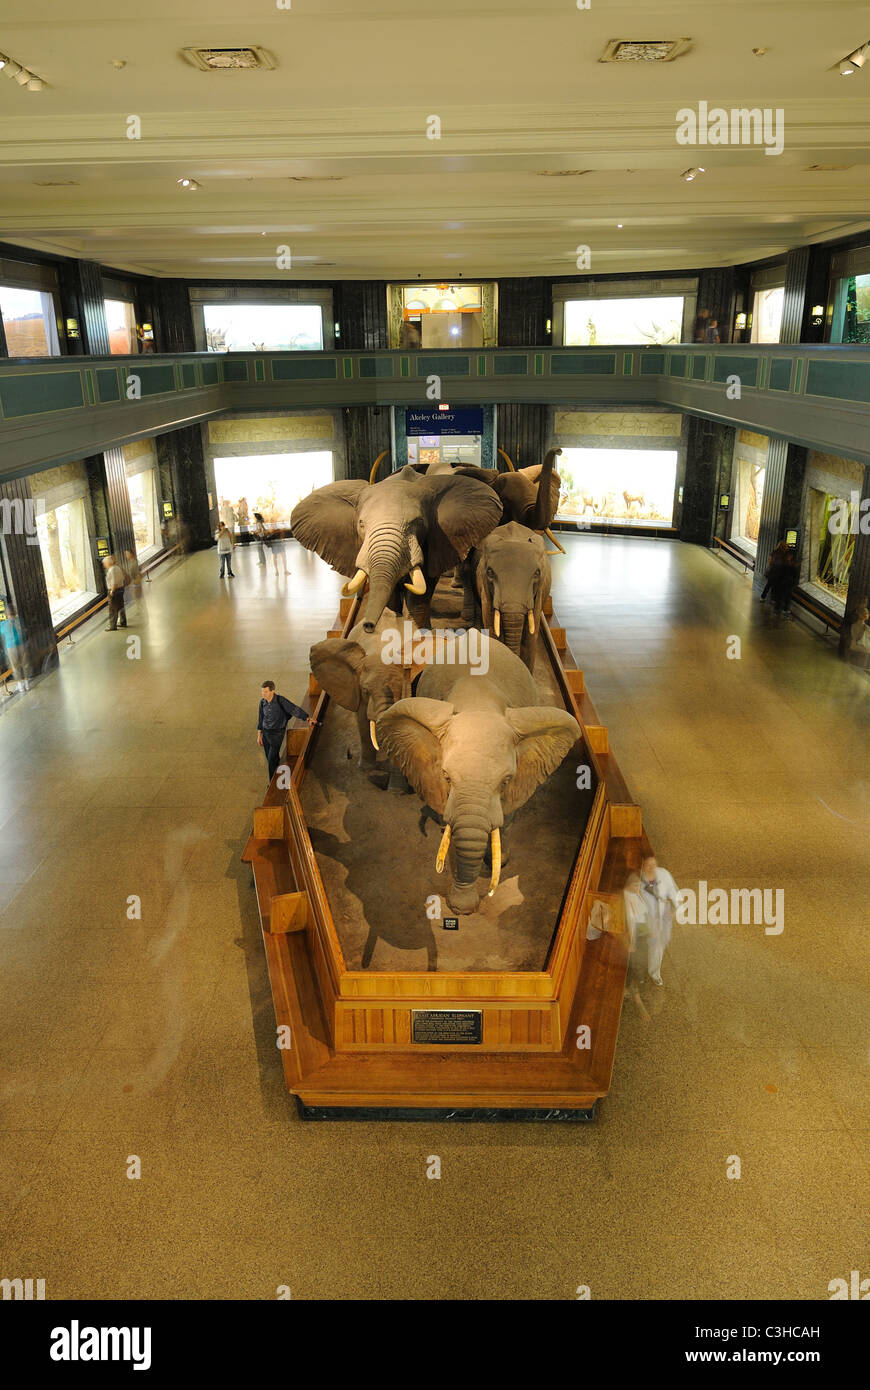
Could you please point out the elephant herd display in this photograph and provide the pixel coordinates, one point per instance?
(474, 742)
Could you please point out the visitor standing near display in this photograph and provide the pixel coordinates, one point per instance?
(659, 895)
(782, 576)
(15, 647)
(116, 580)
(637, 927)
(225, 550)
(275, 714)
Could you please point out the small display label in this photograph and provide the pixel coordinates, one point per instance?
(451, 924)
(446, 1026)
(103, 547)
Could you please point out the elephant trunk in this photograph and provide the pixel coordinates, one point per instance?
(470, 839)
(513, 623)
(388, 561)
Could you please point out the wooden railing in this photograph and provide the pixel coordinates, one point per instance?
(746, 561)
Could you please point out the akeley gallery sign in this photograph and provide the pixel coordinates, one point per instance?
(445, 421)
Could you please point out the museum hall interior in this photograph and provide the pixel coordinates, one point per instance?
(434, 657)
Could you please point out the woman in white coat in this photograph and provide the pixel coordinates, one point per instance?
(659, 894)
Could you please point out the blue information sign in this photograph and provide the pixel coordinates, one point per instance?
(445, 422)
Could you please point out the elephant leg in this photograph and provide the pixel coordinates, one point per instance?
(398, 782)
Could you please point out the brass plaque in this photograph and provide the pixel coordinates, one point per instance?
(446, 1026)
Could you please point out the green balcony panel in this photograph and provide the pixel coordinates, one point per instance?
(699, 366)
(453, 365)
(209, 373)
(36, 392)
(583, 364)
(304, 369)
(188, 374)
(746, 368)
(652, 363)
(517, 364)
(780, 374)
(846, 381)
(677, 364)
(235, 371)
(375, 366)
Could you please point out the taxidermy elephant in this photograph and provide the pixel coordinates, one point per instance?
(475, 747)
(512, 580)
(527, 495)
(351, 671)
(409, 528)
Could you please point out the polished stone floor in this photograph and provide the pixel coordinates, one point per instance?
(153, 1038)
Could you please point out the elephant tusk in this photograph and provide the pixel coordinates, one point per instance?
(531, 622)
(375, 466)
(356, 583)
(418, 581)
(373, 736)
(496, 622)
(560, 548)
(496, 861)
(442, 850)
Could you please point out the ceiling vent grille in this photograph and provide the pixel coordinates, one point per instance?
(644, 50)
(227, 59)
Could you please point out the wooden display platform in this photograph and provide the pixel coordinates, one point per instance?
(350, 1050)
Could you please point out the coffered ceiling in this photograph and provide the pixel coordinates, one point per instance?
(543, 148)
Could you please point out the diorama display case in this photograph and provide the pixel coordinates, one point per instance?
(465, 1043)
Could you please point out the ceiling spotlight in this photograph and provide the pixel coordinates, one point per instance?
(847, 67)
(759, 52)
(701, 169)
(619, 224)
(11, 69)
(35, 84)
(859, 57)
(22, 77)
(2, 61)
(688, 174)
(188, 183)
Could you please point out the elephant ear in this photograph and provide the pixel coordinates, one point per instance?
(483, 475)
(336, 664)
(325, 522)
(545, 735)
(410, 734)
(464, 512)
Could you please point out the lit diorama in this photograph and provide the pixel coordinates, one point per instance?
(434, 854)
(631, 487)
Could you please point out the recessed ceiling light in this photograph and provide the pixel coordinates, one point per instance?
(619, 224)
(228, 59)
(643, 50)
(188, 183)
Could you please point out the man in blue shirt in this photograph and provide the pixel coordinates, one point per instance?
(275, 715)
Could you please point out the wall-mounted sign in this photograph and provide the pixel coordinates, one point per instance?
(791, 539)
(103, 546)
(72, 328)
(725, 501)
(2, 610)
(445, 422)
(167, 509)
(450, 924)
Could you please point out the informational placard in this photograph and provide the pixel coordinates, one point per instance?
(791, 539)
(446, 1026)
(103, 546)
(725, 501)
(167, 509)
(450, 924)
(445, 422)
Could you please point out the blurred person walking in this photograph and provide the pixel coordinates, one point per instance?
(659, 895)
(116, 581)
(266, 540)
(275, 714)
(225, 550)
